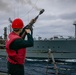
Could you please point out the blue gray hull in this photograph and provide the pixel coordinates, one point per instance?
(65, 48)
(39, 55)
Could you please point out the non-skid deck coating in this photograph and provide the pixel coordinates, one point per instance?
(39, 68)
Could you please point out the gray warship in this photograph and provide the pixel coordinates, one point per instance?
(63, 48)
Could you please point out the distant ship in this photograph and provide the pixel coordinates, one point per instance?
(63, 48)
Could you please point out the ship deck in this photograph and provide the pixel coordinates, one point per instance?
(38, 67)
(3, 73)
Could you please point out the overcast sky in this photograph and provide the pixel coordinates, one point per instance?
(57, 20)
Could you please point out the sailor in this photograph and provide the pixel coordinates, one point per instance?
(16, 47)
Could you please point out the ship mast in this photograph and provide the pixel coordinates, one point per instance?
(5, 32)
(75, 28)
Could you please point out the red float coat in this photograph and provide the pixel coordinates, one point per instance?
(13, 56)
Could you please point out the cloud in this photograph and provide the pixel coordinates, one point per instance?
(30, 2)
(68, 16)
(56, 20)
(4, 6)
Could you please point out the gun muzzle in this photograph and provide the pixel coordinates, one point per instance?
(39, 14)
(41, 11)
(34, 20)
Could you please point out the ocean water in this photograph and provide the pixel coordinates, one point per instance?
(39, 67)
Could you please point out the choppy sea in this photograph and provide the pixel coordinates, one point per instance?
(39, 67)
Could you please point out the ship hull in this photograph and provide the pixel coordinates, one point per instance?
(62, 49)
(39, 55)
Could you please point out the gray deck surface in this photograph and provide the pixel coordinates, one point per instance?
(39, 68)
